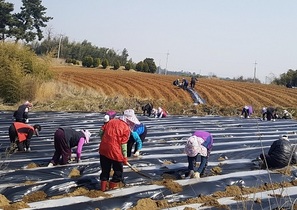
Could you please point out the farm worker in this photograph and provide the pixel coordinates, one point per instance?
(246, 111)
(21, 114)
(147, 109)
(161, 113)
(64, 140)
(108, 116)
(185, 83)
(264, 113)
(21, 134)
(200, 142)
(193, 82)
(271, 114)
(137, 136)
(113, 148)
(286, 115)
(281, 153)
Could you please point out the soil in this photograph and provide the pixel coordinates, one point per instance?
(216, 170)
(174, 187)
(35, 196)
(147, 203)
(32, 165)
(74, 173)
(144, 204)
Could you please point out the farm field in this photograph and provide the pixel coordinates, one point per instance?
(232, 180)
(218, 94)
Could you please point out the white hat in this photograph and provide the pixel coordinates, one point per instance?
(130, 116)
(106, 118)
(285, 111)
(284, 137)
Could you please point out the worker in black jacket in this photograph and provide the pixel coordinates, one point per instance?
(281, 153)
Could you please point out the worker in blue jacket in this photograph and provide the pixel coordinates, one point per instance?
(137, 136)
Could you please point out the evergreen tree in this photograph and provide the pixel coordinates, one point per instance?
(30, 21)
(6, 19)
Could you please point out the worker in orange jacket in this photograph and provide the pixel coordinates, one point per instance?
(21, 134)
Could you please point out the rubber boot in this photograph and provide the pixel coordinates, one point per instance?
(113, 185)
(103, 185)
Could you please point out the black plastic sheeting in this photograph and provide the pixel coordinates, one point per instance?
(196, 97)
(240, 140)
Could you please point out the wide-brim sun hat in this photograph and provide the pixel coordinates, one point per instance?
(130, 116)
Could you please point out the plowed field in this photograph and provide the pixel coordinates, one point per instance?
(145, 86)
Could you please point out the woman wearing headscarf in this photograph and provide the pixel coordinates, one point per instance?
(64, 140)
(200, 143)
(161, 113)
(113, 148)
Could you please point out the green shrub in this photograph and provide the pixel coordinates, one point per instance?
(105, 63)
(116, 65)
(18, 63)
(128, 66)
(96, 62)
(87, 61)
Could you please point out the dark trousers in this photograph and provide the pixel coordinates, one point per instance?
(270, 162)
(245, 112)
(106, 165)
(61, 148)
(131, 142)
(13, 136)
(203, 163)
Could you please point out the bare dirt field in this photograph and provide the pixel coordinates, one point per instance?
(221, 96)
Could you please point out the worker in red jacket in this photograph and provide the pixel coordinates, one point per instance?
(21, 134)
(113, 148)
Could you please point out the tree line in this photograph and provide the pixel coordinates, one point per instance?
(288, 79)
(27, 26)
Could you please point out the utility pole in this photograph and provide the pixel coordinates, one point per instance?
(59, 48)
(166, 62)
(255, 69)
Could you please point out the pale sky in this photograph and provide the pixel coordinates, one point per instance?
(221, 37)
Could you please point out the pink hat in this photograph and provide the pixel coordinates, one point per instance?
(130, 116)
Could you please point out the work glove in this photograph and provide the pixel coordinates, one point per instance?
(27, 120)
(125, 162)
(50, 165)
(136, 154)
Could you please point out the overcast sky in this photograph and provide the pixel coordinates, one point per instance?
(221, 37)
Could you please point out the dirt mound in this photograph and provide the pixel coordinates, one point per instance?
(170, 184)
